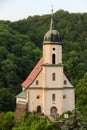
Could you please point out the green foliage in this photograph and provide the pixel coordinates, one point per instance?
(74, 122)
(81, 95)
(33, 122)
(7, 100)
(30, 54)
(6, 121)
(21, 43)
(1, 120)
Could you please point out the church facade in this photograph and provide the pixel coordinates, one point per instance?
(47, 90)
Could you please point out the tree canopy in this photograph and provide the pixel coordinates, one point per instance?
(21, 48)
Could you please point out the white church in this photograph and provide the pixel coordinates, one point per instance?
(47, 90)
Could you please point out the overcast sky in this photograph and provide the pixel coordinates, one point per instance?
(18, 9)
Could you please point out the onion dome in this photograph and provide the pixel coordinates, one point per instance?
(52, 36)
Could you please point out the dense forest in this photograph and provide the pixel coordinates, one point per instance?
(21, 48)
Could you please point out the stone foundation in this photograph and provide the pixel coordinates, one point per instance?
(20, 110)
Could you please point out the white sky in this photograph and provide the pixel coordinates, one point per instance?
(18, 9)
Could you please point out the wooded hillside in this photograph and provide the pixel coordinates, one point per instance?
(21, 48)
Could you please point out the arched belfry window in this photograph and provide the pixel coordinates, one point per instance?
(53, 58)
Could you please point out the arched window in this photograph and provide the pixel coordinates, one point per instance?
(53, 58)
(53, 111)
(53, 97)
(53, 76)
(38, 109)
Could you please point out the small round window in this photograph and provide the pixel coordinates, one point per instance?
(38, 96)
(64, 96)
(53, 48)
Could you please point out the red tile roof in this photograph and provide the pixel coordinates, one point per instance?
(32, 76)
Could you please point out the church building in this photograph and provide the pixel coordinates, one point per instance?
(47, 90)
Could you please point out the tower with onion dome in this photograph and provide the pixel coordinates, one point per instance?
(47, 90)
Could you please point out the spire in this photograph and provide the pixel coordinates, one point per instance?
(52, 21)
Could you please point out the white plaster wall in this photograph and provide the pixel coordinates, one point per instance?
(40, 81)
(59, 82)
(44, 77)
(21, 100)
(60, 54)
(33, 101)
(48, 51)
(58, 103)
(68, 84)
(69, 101)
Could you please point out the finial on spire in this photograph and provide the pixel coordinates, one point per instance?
(52, 22)
(52, 8)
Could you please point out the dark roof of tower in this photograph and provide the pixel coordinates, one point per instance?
(52, 36)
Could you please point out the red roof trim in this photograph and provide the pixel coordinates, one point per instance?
(34, 73)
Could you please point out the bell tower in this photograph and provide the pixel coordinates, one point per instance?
(53, 79)
(52, 46)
